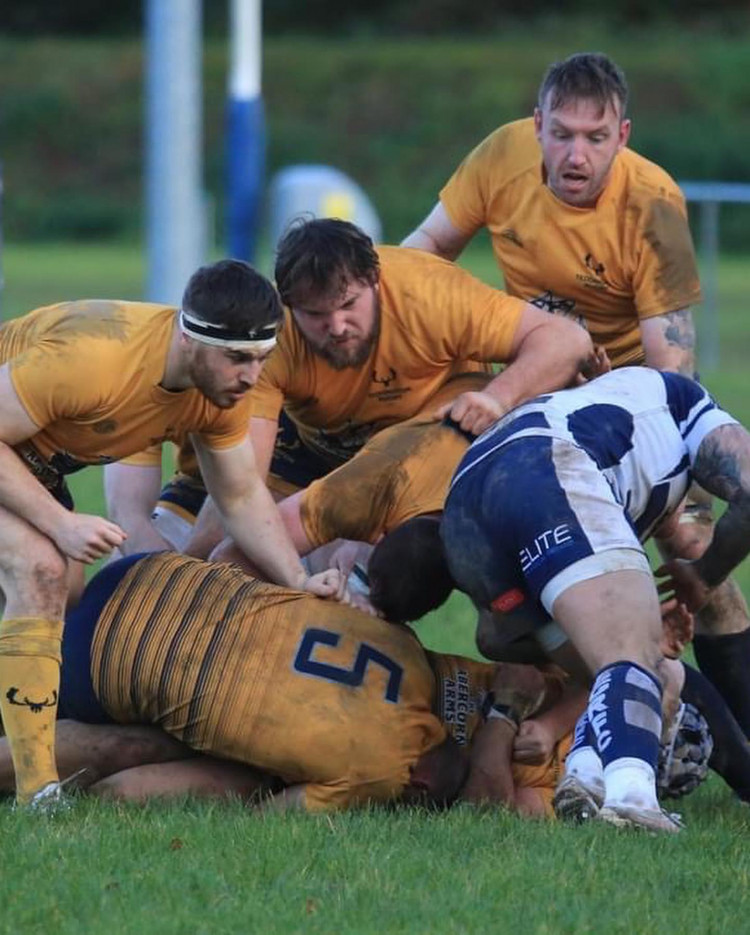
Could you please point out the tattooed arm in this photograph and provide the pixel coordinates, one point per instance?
(669, 342)
(722, 467)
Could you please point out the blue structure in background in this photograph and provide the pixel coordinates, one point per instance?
(246, 136)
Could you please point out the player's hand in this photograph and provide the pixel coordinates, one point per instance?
(677, 628)
(597, 364)
(683, 582)
(474, 411)
(330, 583)
(534, 743)
(87, 538)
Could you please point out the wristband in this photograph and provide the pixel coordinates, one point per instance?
(492, 709)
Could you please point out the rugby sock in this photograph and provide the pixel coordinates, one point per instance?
(624, 711)
(583, 760)
(725, 660)
(29, 686)
(730, 757)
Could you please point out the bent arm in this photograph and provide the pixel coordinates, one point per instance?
(131, 492)
(437, 234)
(669, 341)
(77, 535)
(547, 354)
(722, 467)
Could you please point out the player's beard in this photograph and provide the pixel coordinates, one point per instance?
(205, 379)
(341, 357)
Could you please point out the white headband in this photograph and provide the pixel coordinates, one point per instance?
(259, 340)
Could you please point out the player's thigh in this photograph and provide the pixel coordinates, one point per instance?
(612, 617)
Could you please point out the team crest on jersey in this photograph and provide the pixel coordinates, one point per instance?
(388, 393)
(594, 277)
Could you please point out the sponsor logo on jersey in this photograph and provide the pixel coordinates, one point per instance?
(558, 305)
(458, 705)
(542, 543)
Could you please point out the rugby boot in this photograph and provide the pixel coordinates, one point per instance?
(575, 800)
(622, 815)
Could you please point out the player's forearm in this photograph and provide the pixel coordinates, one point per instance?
(729, 546)
(669, 342)
(22, 494)
(490, 777)
(548, 359)
(561, 718)
(256, 526)
(131, 492)
(722, 467)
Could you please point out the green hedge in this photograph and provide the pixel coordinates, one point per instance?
(397, 115)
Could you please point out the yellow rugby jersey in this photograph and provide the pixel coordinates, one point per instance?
(401, 472)
(435, 317)
(462, 685)
(630, 257)
(88, 375)
(309, 690)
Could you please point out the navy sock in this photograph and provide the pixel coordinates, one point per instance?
(624, 711)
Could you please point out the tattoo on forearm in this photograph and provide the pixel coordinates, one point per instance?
(722, 466)
(679, 334)
(718, 466)
(679, 330)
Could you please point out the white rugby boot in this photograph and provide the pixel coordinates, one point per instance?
(622, 815)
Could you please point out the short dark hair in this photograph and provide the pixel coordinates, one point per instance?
(589, 75)
(316, 257)
(408, 571)
(233, 294)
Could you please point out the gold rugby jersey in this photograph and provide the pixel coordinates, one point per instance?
(309, 690)
(462, 685)
(436, 319)
(88, 373)
(628, 258)
(401, 472)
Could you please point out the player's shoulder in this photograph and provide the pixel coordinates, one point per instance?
(509, 151)
(645, 180)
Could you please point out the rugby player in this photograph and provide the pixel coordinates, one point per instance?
(93, 381)
(545, 518)
(585, 227)
(341, 707)
(371, 335)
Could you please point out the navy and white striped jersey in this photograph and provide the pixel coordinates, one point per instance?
(641, 427)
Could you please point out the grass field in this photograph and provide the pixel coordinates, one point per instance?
(194, 868)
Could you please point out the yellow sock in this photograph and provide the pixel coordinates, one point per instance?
(29, 686)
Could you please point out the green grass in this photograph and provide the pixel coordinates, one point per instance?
(194, 868)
